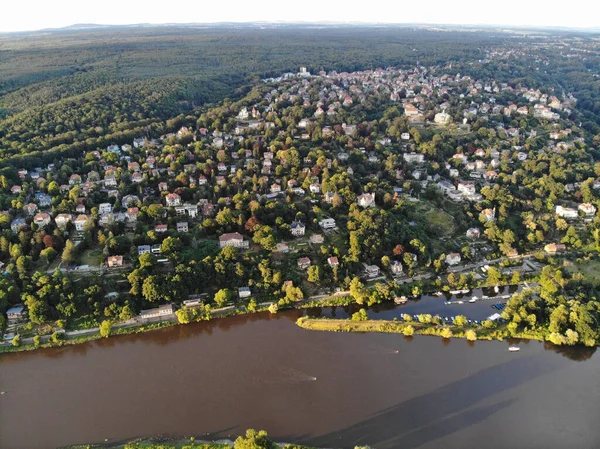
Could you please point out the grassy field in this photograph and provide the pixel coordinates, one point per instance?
(92, 257)
(590, 269)
(439, 220)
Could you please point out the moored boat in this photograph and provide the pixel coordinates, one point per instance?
(514, 348)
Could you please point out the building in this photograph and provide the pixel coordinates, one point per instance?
(473, 233)
(62, 220)
(453, 259)
(144, 249)
(182, 226)
(396, 267)
(303, 263)
(566, 212)
(105, 208)
(234, 239)
(16, 313)
(587, 208)
(244, 292)
(159, 312)
(114, 261)
(553, 248)
(333, 261)
(371, 271)
(298, 229)
(442, 118)
(42, 219)
(414, 158)
(80, 222)
(366, 200)
(172, 200)
(327, 223)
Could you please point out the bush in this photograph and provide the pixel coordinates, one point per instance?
(16, 341)
(105, 328)
(471, 335)
(446, 332)
(408, 330)
(361, 315)
(36, 341)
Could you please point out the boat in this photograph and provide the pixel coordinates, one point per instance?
(496, 289)
(438, 293)
(475, 297)
(459, 302)
(455, 292)
(472, 300)
(514, 348)
(466, 290)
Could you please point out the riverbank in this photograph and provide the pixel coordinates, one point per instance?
(412, 328)
(191, 443)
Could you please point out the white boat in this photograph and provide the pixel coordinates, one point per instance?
(438, 293)
(459, 302)
(496, 289)
(475, 297)
(514, 348)
(466, 290)
(472, 300)
(455, 292)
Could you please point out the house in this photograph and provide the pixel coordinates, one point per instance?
(161, 228)
(333, 261)
(43, 199)
(298, 229)
(30, 209)
(182, 226)
(489, 214)
(566, 212)
(414, 158)
(158, 312)
(366, 200)
(156, 248)
(132, 213)
(17, 224)
(114, 261)
(74, 179)
(453, 259)
(62, 220)
(105, 208)
(143, 249)
(405, 136)
(410, 110)
(371, 271)
(396, 267)
(80, 222)
(16, 313)
(15, 190)
(42, 219)
(244, 292)
(473, 233)
(275, 188)
(442, 118)
(234, 239)
(80, 208)
(110, 181)
(327, 223)
(162, 186)
(303, 263)
(315, 188)
(587, 208)
(553, 248)
(172, 200)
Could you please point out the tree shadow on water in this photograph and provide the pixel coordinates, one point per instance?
(440, 412)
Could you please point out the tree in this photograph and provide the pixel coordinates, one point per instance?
(361, 315)
(222, 297)
(408, 331)
(460, 320)
(69, 253)
(273, 308)
(314, 274)
(357, 290)
(446, 332)
(471, 335)
(254, 440)
(16, 341)
(152, 288)
(105, 328)
(36, 341)
(147, 260)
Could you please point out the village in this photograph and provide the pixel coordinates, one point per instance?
(315, 178)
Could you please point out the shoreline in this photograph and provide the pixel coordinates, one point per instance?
(409, 329)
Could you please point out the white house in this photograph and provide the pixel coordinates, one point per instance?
(244, 292)
(414, 158)
(327, 223)
(566, 212)
(366, 200)
(587, 208)
(473, 233)
(80, 222)
(371, 271)
(172, 200)
(105, 208)
(396, 267)
(453, 258)
(234, 239)
(298, 228)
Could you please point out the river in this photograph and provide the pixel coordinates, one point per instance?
(319, 388)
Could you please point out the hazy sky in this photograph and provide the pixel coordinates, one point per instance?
(38, 14)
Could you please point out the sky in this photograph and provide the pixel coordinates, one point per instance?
(26, 15)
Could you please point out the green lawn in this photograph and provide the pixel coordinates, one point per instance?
(92, 257)
(590, 269)
(440, 221)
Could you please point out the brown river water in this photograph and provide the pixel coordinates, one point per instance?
(218, 378)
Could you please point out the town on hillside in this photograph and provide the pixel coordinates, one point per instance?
(384, 181)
